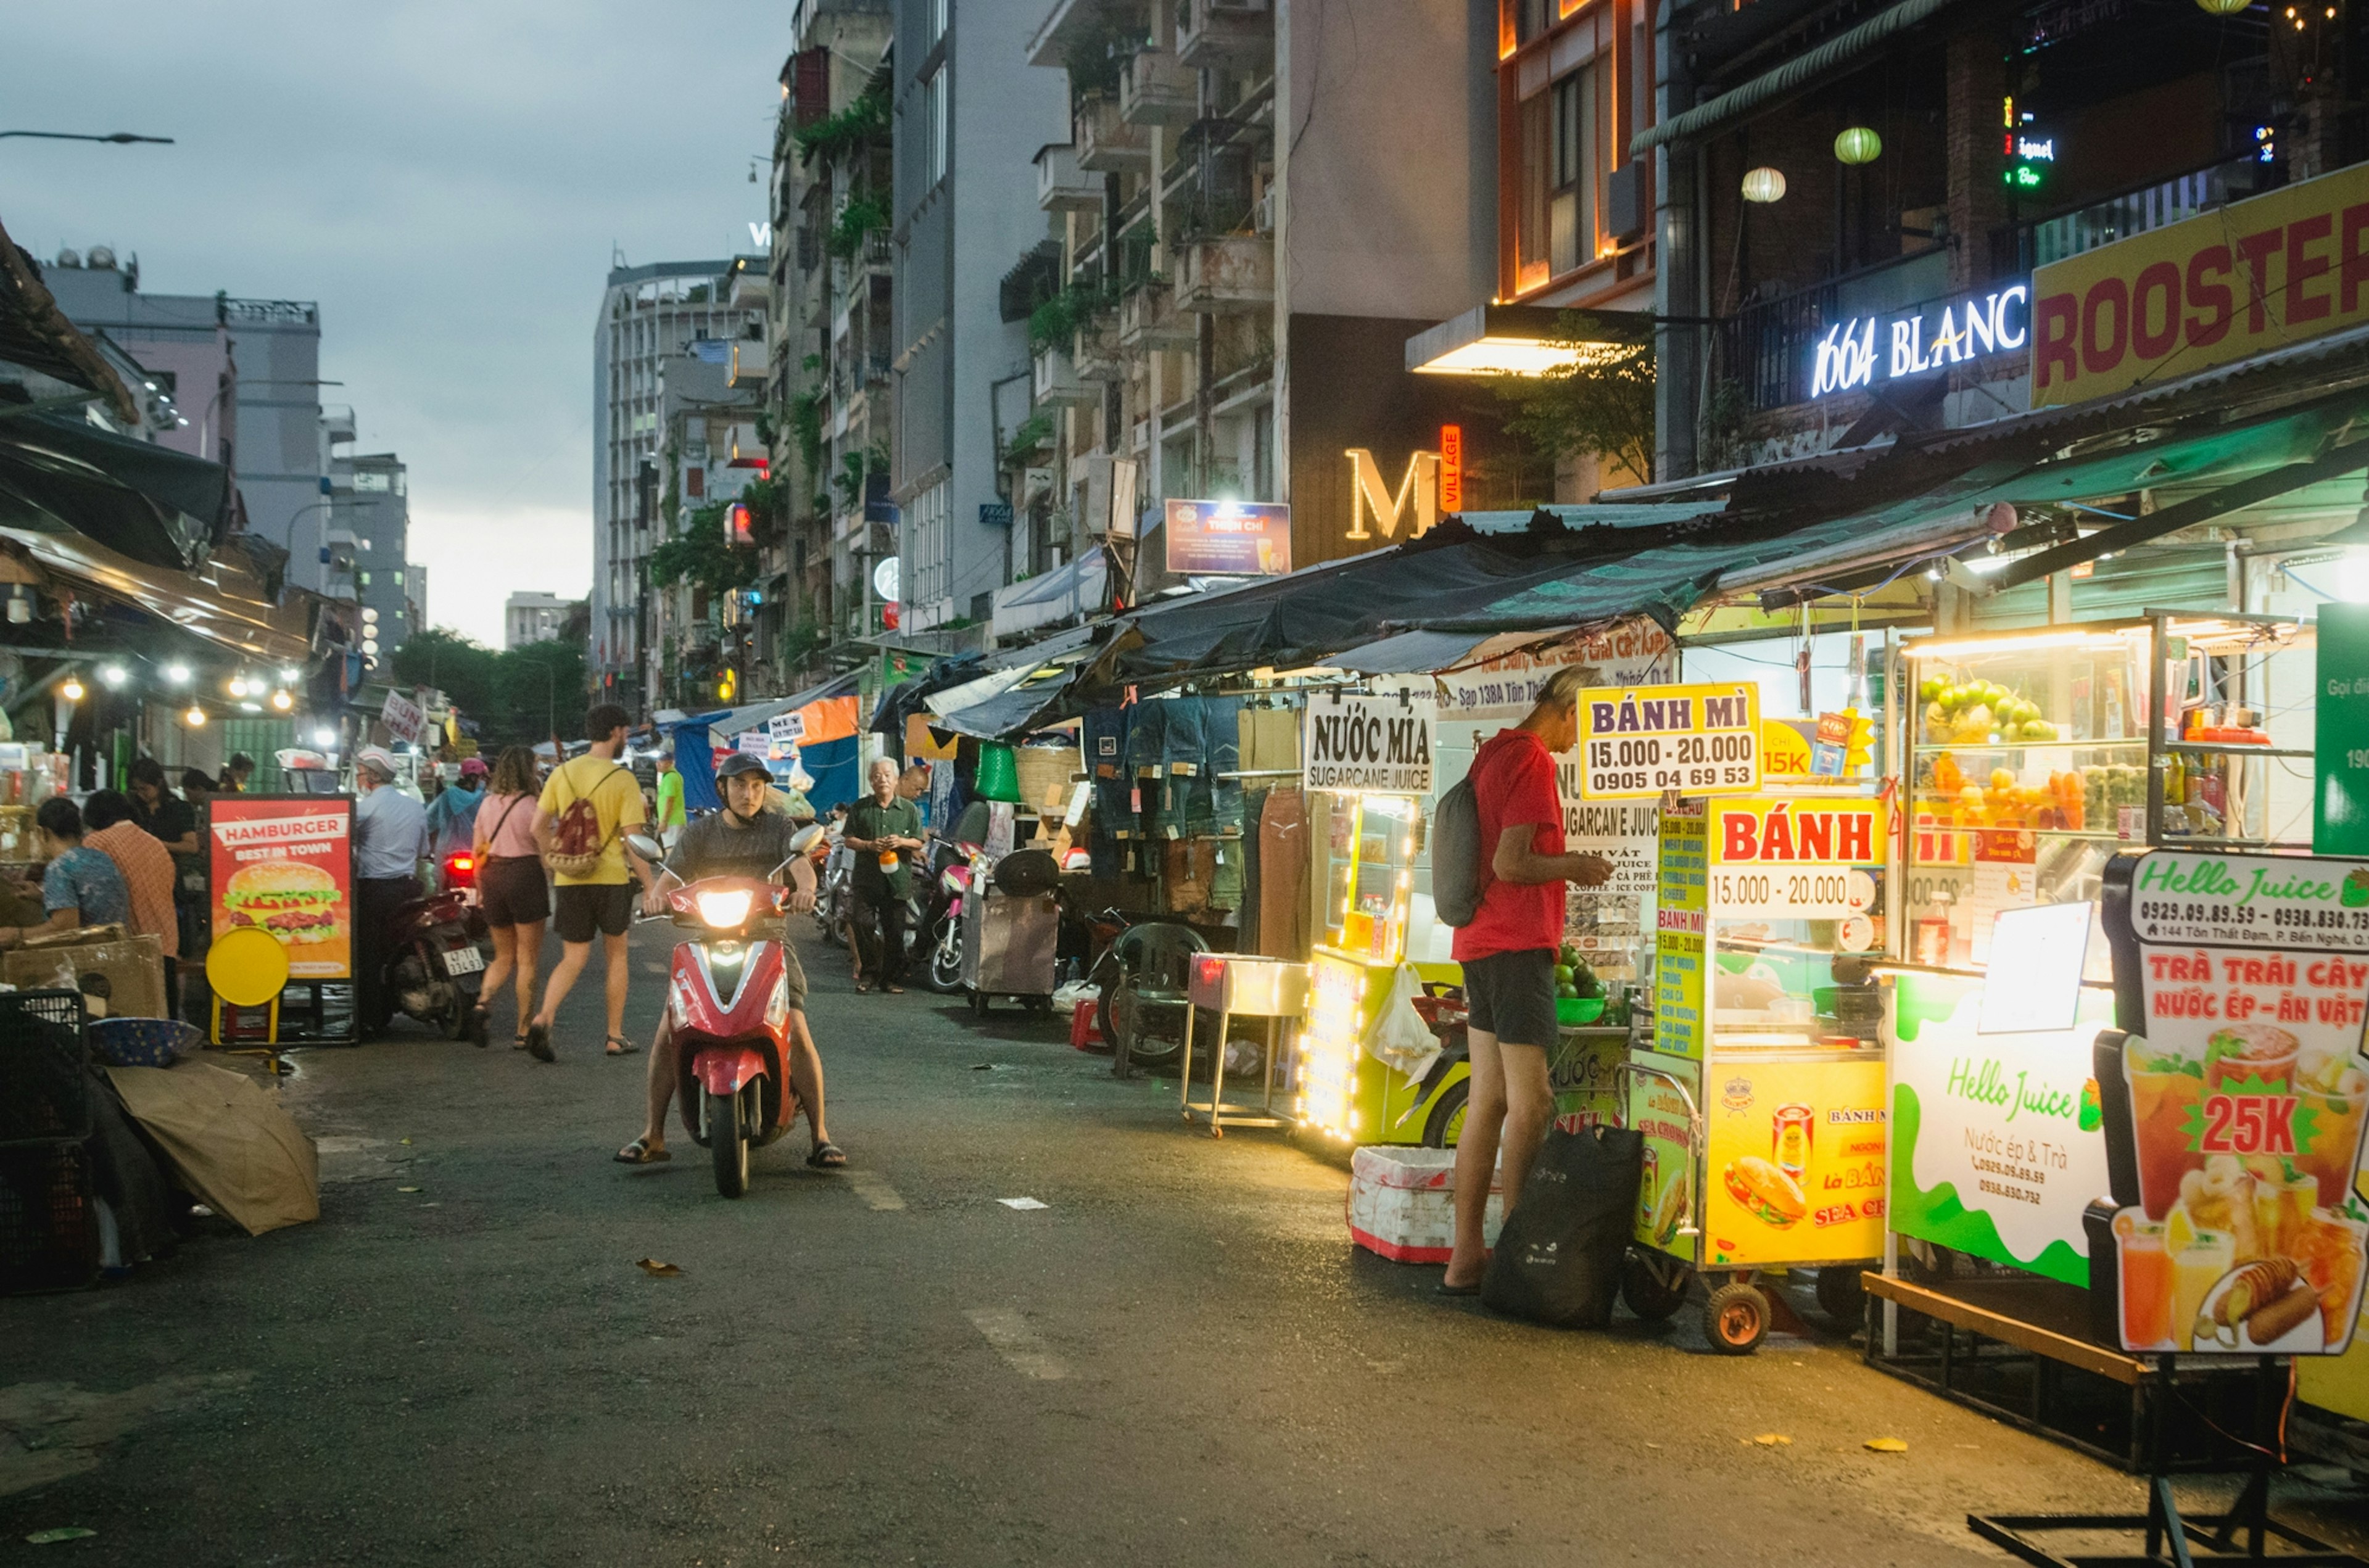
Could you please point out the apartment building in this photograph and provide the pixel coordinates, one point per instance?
(701, 641)
(648, 314)
(245, 374)
(369, 540)
(974, 103)
(828, 397)
(1252, 209)
(530, 618)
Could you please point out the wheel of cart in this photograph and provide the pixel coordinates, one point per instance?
(1653, 1284)
(1737, 1315)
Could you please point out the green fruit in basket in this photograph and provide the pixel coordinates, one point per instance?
(1565, 991)
(1562, 974)
(1591, 987)
(1931, 689)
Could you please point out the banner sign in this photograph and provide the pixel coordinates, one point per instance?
(1681, 923)
(2240, 982)
(2339, 810)
(1637, 742)
(404, 718)
(1997, 1144)
(2258, 274)
(1794, 1160)
(1507, 688)
(787, 729)
(1856, 354)
(285, 863)
(1229, 538)
(1374, 744)
(1797, 859)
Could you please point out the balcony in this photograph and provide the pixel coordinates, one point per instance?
(2137, 211)
(1096, 355)
(1158, 89)
(1225, 273)
(1149, 318)
(1054, 382)
(748, 362)
(1217, 33)
(1062, 185)
(1106, 143)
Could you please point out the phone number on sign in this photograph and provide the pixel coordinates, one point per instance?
(1616, 781)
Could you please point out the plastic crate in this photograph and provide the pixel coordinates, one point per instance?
(48, 1220)
(44, 1069)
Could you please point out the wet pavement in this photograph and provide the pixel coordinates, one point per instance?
(1177, 1359)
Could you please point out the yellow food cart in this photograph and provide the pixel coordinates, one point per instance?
(1762, 1098)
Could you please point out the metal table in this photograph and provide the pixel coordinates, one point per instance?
(1231, 983)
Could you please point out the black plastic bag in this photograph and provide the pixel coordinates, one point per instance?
(1558, 1260)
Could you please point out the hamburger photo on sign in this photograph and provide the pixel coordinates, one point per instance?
(283, 865)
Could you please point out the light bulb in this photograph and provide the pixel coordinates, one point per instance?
(178, 674)
(70, 691)
(282, 700)
(239, 685)
(288, 677)
(113, 674)
(325, 738)
(196, 717)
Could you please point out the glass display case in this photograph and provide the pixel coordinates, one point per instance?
(1371, 843)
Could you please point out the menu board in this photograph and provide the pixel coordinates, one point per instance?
(1680, 926)
(2240, 981)
(285, 862)
(1636, 742)
(1805, 859)
(1794, 1161)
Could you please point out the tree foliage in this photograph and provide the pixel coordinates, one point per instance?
(863, 120)
(700, 556)
(514, 697)
(1603, 403)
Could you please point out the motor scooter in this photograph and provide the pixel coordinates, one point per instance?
(438, 947)
(729, 1006)
(835, 890)
(940, 926)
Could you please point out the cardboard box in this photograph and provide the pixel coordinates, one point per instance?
(1403, 1203)
(134, 965)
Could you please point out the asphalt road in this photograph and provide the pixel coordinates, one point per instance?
(1179, 1359)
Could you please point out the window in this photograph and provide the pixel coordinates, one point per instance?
(694, 483)
(937, 20)
(398, 579)
(362, 577)
(935, 113)
(1567, 149)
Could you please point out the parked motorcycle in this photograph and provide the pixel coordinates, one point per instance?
(438, 952)
(953, 868)
(835, 890)
(727, 1002)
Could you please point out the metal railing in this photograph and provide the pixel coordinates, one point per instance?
(2137, 211)
(1770, 347)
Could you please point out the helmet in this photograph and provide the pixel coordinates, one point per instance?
(741, 762)
(474, 767)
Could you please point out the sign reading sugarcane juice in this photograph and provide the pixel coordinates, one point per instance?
(2241, 983)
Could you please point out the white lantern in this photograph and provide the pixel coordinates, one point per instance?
(1764, 185)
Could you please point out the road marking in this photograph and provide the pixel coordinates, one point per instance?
(654, 967)
(876, 1193)
(1018, 1343)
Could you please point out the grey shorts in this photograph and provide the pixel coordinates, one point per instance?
(1512, 996)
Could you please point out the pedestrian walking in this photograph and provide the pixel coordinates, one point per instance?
(452, 815)
(390, 841)
(670, 815)
(590, 804)
(885, 831)
(1508, 955)
(510, 889)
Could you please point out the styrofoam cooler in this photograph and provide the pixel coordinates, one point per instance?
(1403, 1203)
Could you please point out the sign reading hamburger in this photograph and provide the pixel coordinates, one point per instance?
(286, 865)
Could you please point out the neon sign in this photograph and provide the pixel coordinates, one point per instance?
(1851, 357)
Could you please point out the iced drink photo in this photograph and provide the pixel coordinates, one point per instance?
(2165, 1090)
(2146, 1283)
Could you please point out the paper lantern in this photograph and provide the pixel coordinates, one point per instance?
(2224, 8)
(1859, 144)
(1763, 185)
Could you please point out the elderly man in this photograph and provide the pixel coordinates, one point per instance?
(885, 832)
(390, 841)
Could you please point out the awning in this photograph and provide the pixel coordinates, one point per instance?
(1067, 592)
(1799, 72)
(219, 599)
(59, 472)
(35, 333)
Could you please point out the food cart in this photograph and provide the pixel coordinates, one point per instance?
(1762, 1097)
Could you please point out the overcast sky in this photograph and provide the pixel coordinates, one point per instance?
(446, 179)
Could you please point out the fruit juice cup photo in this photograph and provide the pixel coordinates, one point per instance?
(2283, 1213)
(2334, 1150)
(2145, 1281)
(2330, 1253)
(2196, 1268)
(2161, 1102)
(2239, 1051)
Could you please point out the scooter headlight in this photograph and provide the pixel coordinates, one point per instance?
(726, 909)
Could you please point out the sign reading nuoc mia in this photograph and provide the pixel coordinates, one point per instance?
(1371, 745)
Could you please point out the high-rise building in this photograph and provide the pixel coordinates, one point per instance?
(535, 618)
(370, 536)
(832, 339)
(647, 313)
(971, 113)
(709, 455)
(246, 375)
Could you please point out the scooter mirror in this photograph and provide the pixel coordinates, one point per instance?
(648, 848)
(804, 839)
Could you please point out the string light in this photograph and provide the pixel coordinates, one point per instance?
(196, 717)
(71, 690)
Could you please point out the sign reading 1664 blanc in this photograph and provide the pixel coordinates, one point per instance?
(1636, 742)
(1375, 745)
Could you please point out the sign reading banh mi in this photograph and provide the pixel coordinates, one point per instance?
(1636, 742)
(1374, 744)
(2256, 275)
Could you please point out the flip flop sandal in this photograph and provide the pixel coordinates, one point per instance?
(639, 1152)
(1444, 1288)
(828, 1157)
(621, 1047)
(538, 1042)
(517, 1041)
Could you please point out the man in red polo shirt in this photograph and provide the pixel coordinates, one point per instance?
(1508, 955)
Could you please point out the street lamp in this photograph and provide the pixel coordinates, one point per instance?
(121, 138)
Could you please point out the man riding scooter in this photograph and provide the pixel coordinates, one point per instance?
(742, 839)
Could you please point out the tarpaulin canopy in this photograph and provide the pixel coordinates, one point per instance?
(61, 474)
(220, 599)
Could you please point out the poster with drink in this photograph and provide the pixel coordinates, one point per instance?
(1229, 538)
(1997, 1140)
(285, 862)
(1794, 1161)
(2240, 982)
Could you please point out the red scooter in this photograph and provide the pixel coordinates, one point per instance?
(729, 1005)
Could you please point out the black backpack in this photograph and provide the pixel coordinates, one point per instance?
(1459, 870)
